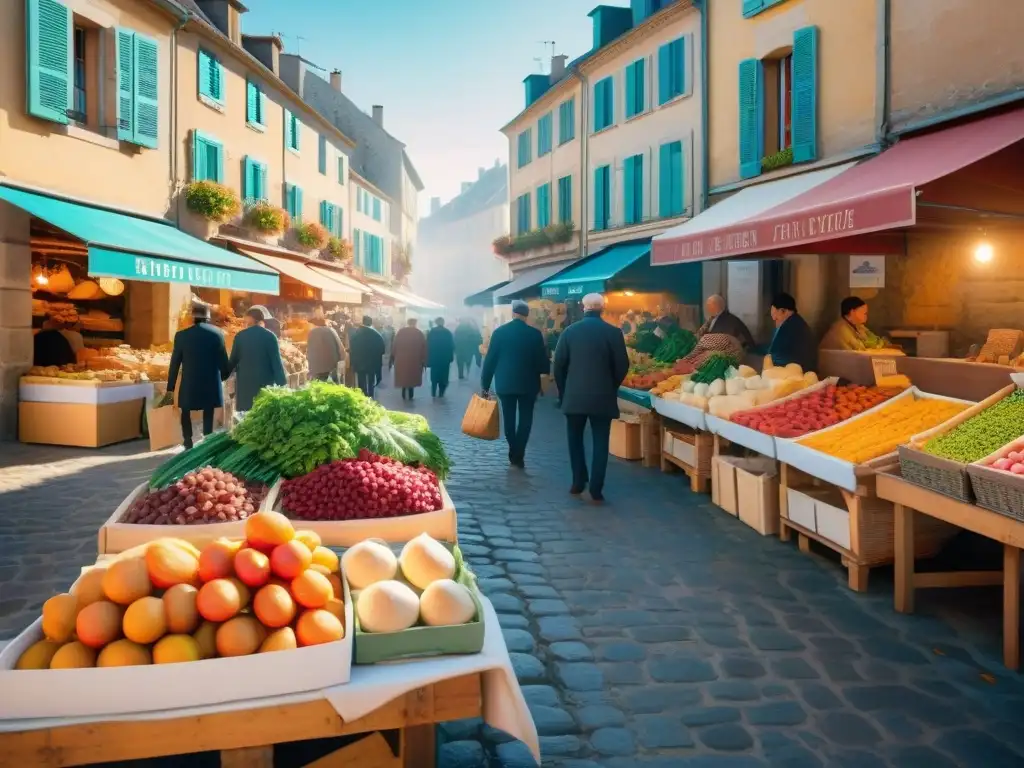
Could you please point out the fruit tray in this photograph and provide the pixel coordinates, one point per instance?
(996, 489)
(689, 415)
(115, 536)
(440, 524)
(421, 641)
(65, 693)
(841, 473)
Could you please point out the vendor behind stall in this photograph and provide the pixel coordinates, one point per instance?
(721, 320)
(792, 341)
(51, 347)
(850, 332)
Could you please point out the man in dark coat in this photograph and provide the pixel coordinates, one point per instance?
(366, 353)
(440, 354)
(720, 320)
(516, 359)
(590, 365)
(793, 340)
(467, 346)
(200, 354)
(256, 356)
(270, 322)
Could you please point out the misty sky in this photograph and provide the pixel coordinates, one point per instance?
(448, 72)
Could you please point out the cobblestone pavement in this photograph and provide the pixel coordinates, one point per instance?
(654, 630)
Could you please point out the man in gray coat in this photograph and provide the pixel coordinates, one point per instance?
(590, 365)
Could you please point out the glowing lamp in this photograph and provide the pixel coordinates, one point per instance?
(983, 253)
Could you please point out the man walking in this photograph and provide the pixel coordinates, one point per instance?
(409, 358)
(256, 356)
(366, 351)
(440, 353)
(324, 351)
(200, 354)
(516, 359)
(467, 346)
(590, 364)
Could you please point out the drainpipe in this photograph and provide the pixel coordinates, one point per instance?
(703, 7)
(883, 70)
(182, 21)
(584, 160)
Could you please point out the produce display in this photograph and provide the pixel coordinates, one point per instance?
(985, 433)
(200, 496)
(713, 367)
(293, 358)
(882, 431)
(369, 486)
(426, 584)
(297, 431)
(671, 384)
(678, 343)
(168, 602)
(645, 342)
(1012, 462)
(813, 411)
(646, 375)
(734, 389)
(219, 452)
(80, 373)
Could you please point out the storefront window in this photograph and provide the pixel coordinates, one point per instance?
(786, 102)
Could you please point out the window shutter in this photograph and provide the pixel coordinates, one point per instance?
(263, 108)
(630, 91)
(600, 199)
(216, 80)
(526, 212)
(805, 94)
(248, 179)
(664, 73)
(146, 111)
(598, 107)
(124, 40)
(751, 117)
(376, 209)
(49, 50)
(289, 133)
(323, 213)
(628, 190)
(203, 76)
(297, 203)
(679, 179)
(252, 95)
(215, 160)
(750, 7)
(289, 198)
(680, 59)
(340, 224)
(322, 159)
(199, 157)
(263, 181)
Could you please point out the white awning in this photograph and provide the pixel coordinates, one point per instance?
(331, 289)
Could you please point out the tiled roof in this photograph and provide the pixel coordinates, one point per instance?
(489, 190)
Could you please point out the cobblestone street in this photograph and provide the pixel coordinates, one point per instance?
(654, 630)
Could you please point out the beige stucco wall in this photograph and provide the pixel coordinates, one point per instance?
(677, 120)
(847, 71)
(947, 54)
(76, 161)
(303, 169)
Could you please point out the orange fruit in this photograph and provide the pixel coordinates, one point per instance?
(252, 567)
(169, 564)
(310, 538)
(219, 600)
(180, 609)
(282, 639)
(325, 557)
(290, 559)
(145, 622)
(273, 606)
(266, 530)
(172, 649)
(318, 626)
(99, 623)
(217, 560)
(312, 589)
(240, 636)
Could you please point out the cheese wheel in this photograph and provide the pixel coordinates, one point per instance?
(387, 606)
(368, 562)
(425, 560)
(446, 603)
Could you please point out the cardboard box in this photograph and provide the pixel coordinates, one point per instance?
(684, 449)
(82, 425)
(724, 471)
(63, 693)
(625, 440)
(801, 509)
(667, 443)
(715, 489)
(757, 493)
(833, 519)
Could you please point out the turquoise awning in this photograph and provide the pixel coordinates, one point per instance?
(592, 274)
(133, 248)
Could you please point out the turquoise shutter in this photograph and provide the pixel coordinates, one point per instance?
(200, 161)
(252, 96)
(664, 73)
(218, 161)
(146, 112)
(679, 64)
(124, 54)
(263, 108)
(248, 179)
(598, 107)
(376, 209)
(289, 132)
(49, 49)
(526, 212)
(203, 73)
(751, 118)
(805, 94)
(630, 90)
(600, 199)
(289, 198)
(750, 7)
(298, 203)
(322, 159)
(670, 179)
(628, 190)
(323, 213)
(217, 80)
(263, 181)
(341, 222)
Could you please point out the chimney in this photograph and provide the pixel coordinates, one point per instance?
(558, 67)
(378, 115)
(465, 186)
(480, 172)
(435, 205)
(226, 16)
(265, 48)
(336, 80)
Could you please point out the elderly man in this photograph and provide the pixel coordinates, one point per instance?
(590, 364)
(721, 320)
(516, 359)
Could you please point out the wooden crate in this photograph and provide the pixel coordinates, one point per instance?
(692, 453)
(650, 439)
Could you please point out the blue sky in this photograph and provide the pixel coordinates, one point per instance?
(448, 72)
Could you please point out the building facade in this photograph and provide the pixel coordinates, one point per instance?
(372, 243)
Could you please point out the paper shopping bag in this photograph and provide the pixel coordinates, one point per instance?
(164, 428)
(481, 419)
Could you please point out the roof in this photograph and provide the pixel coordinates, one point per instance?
(571, 70)
(488, 191)
(368, 185)
(411, 170)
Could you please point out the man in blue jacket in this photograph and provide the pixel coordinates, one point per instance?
(793, 340)
(256, 357)
(590, 365)
(516, 359)
(200, 354)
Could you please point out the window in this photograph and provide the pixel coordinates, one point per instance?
(137, 57)
(602, 197)
(670, 180)
(207, 158)
(376, 209)
(211, 78)
(373, 253)
(543, 206)
(635, 80)
(255, 106)
(322, 155)
(357, 244)
(291, 131)
(633, 190)
(331, 218)
(524, 156)
(79, 111)
(544, 135)
(567, 121)
(671, 70)
(342, 176)
(523, 214)
(604, 104)
(254, 181)
(778, 103)
(565, 200)
(293, 201)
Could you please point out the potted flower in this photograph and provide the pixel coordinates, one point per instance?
(502, 245)
(311, 235)
(266, 219)
(337, 249)
(209, 205)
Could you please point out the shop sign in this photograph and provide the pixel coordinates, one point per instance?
(888, 210)
(575, 290)
(131, 266)
(549, 291)
(867, 271)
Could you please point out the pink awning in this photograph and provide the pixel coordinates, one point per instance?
(876, 195)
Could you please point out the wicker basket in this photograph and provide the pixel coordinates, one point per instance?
(998, 490)
(877, 529)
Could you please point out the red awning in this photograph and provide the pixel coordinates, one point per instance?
(876, 195)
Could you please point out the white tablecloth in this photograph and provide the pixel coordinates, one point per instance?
(371, 687)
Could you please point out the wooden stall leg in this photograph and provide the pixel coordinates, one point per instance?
(419, 746)
(370, 752)
(1011, 607)
(858, 577)
(248, 757)
(904, 558)
(785, 534)
(804, 543)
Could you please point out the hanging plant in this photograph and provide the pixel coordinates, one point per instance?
(502, 245)
(401, 261)
(338, 249)
(212, 201)
(266, 218)
(311, 235)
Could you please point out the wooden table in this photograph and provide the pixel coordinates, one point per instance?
(245, 738)
(908, 499)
